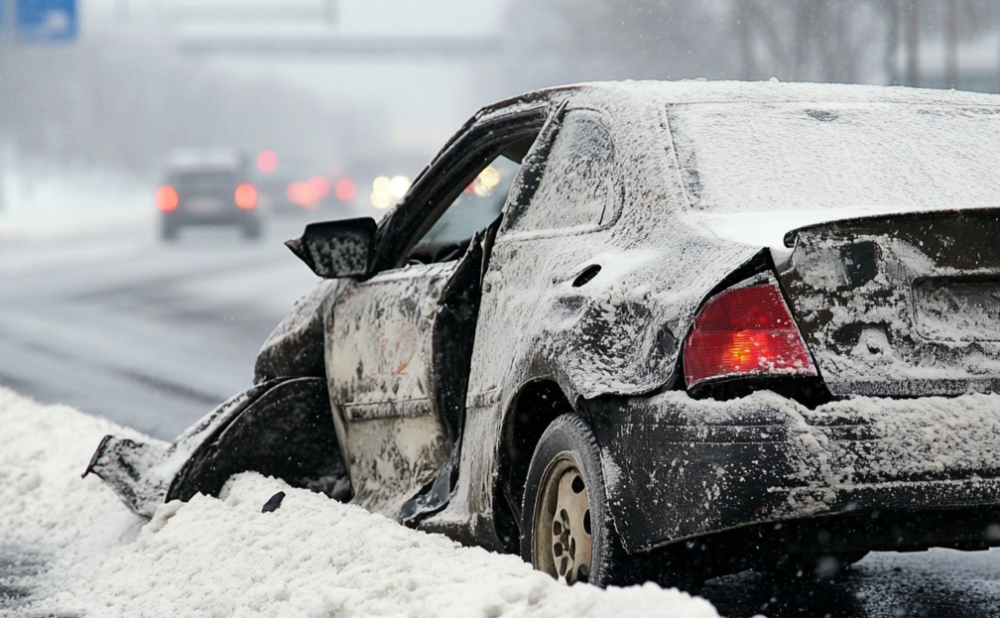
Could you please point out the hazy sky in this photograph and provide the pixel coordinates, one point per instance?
(423, 101)
(382, 17)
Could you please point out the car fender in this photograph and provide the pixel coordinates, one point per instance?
(281, 428)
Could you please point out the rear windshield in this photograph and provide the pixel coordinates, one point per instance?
(206, 180)
(745, 157)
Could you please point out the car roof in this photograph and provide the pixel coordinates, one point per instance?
(705, 91)
(205, 159)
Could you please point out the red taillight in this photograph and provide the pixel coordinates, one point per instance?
(320, 186)
(167, 198)
(345, 189)
(301, 193)
(267, 161)
(745, 332)
(245, 196)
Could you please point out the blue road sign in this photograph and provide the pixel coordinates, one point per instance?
(41, 21)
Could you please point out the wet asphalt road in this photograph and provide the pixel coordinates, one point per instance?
(147, 334)
(153, 336)
(938, 583)
(17, 568)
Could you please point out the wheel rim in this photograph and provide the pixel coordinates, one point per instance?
(562, 533)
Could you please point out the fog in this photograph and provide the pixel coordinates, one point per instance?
(363, 85)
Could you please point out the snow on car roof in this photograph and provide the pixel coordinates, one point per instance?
(747, 151)
(703, 91)
(209, 557)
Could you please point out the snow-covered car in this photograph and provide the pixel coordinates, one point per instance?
(644, 330)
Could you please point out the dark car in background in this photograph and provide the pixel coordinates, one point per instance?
(649, 330)
(208, 188)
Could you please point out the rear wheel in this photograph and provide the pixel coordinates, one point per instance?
(566, 530)
(168, 231)
(251, 230)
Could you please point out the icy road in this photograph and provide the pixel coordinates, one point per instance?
(150, 336)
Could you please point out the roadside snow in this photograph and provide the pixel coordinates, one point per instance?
(37, 207)
(312, 557)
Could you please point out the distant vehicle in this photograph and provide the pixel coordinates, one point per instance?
(297, 189)
(649, 330)
(208, 187)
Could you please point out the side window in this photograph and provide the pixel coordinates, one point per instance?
(477, 205)
(576, 188)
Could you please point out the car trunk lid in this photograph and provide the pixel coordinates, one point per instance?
(900, 305)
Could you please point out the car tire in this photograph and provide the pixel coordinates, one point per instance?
(251, 231)
(566, 528)
(169, 231)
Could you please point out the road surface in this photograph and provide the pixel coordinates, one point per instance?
(147, 334)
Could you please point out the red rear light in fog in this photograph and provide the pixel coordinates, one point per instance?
(345, 189)
(267, 161)
(245, 196)
(745, 332)
(320, 186)
(167, 198)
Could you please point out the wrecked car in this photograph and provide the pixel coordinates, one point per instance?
(639, 330)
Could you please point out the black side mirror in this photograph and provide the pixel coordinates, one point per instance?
(336, 248)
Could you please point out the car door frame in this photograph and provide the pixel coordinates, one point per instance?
(432, 191)
(430, 197)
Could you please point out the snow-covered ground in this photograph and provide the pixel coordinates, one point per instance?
(71, 205)
(223, 557)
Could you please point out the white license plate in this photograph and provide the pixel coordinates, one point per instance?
(204, 205)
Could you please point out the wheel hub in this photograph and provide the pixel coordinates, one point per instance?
(563, 528)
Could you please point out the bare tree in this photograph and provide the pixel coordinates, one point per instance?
(893, 24)
(913, 42)
(951, 43)
(811, 39)
(557, 41)
(98, 104)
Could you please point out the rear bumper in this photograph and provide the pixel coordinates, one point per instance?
(677, 468)
(226, 217)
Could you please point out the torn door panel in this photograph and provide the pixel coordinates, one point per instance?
(379, 364)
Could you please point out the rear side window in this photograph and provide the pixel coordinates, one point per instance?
(577, 187)
(204, 181)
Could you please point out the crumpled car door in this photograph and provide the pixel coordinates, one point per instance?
(379, 367)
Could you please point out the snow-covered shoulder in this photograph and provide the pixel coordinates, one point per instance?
(224, 557)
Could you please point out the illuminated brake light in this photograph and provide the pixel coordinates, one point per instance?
(245, 196)
(267, 161)
(167, 198)
(301, 193)
(345, 190)
(745, 332)
(320, 186)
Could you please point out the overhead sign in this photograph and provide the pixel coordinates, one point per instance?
(42, 21)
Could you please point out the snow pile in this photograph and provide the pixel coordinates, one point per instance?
(312, 557)
(35, 207)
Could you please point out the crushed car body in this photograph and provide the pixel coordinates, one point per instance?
(613, 325)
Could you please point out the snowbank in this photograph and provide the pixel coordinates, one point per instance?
(312, 557)
(39, 207)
